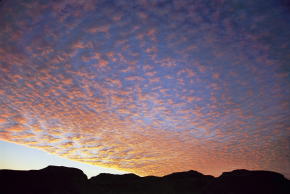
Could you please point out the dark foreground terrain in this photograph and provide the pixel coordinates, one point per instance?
(63, 180)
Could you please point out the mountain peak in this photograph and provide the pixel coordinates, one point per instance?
(186, 174)
(246, 173)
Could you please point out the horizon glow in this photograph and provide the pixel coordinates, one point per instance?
(21, 157)
(149, 87)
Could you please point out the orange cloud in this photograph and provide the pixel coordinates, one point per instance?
(150, 96)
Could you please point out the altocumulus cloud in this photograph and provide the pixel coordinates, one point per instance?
(150, 87)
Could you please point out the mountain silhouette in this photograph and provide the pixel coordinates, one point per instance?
(64, 180)
(250, 182)
(50, 180)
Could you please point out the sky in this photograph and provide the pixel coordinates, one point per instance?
(149, 87)
(19, 157)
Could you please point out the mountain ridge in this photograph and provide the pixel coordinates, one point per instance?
(68, 180)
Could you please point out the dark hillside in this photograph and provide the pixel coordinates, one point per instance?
(63, 180)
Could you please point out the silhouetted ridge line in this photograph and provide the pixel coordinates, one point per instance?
(64, 180)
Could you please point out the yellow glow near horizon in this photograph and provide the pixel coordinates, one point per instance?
(21, 157)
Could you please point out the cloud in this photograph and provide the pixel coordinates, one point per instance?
(164, 87)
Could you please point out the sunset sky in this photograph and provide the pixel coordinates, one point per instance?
(147, 86)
